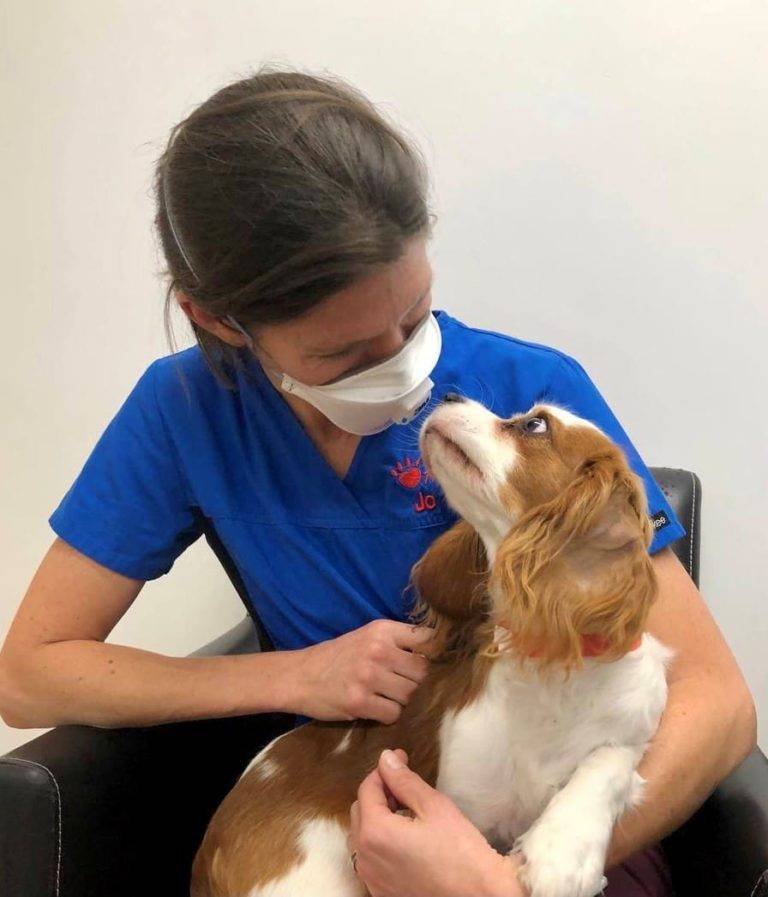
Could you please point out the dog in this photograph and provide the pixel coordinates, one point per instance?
(544, 690)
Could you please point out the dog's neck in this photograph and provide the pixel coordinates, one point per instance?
(492, 535)
(591, 645)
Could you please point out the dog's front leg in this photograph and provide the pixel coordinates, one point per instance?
(564, 851)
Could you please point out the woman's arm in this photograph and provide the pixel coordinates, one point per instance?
(56, 669)
(709, 724)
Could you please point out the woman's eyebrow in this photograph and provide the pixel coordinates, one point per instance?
(357, 342)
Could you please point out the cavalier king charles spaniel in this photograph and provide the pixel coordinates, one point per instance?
(543, 694)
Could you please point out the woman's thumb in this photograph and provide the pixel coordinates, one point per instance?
(407, 786)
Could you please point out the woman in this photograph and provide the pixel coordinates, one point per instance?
(294, 223)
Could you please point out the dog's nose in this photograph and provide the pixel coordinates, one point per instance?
(453, 397)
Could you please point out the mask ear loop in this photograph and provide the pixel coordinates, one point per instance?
(169, 215)
(234, 323)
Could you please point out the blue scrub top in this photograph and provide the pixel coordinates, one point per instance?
(318, 555)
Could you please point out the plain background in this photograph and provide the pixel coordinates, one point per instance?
(600, 170)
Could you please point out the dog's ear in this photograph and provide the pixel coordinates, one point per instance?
(450, 581)
(578, 566)
(449, 577)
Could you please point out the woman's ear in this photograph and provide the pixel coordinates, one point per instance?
(450, 581)
(578, 566)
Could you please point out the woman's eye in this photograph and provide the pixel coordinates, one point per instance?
(340, 354)
(345, 352)
(535, 425)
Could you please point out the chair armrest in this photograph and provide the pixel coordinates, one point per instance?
(29, 827)
(87, 811)
(722, 850)
(102, 806)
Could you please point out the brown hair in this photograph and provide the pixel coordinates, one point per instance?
(275, 193)
(578, 565)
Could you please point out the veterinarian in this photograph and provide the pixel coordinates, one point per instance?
(293, 219)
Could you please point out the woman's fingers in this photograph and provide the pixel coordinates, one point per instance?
(354, 826)
(382, 709)
(412, 666)
(414, 638)
(407, 786)
(395, 687)
(372, 801)
(379, 787)
(392, 801)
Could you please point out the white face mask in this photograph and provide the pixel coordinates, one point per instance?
(389, 392)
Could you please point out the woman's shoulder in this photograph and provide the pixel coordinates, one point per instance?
(186, 373)
(496, 358)
(186, 362)
(472, 338)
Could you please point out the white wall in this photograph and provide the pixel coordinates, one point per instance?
(600, 175)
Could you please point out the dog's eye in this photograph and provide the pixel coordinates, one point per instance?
(535, 425)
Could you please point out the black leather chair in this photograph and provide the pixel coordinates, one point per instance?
(91, 812)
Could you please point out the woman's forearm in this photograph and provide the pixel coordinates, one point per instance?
(106, 685)
(706, 730)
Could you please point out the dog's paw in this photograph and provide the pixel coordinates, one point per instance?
(561, 860)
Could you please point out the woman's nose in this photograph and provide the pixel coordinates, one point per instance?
(453, 397)
(385, 347)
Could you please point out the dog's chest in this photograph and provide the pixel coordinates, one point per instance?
(505, 755)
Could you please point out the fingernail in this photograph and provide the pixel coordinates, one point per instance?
(391, 759)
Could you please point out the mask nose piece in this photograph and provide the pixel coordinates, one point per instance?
(453, 397)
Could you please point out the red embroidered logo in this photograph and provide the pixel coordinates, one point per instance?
(411, 474)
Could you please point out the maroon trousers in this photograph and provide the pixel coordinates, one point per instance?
(644, 874)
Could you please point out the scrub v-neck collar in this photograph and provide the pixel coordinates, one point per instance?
(299, 439)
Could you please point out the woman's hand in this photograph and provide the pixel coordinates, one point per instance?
(370, 672)
(437, 853)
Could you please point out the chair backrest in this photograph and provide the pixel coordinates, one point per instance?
(230, 568)
(681, 488)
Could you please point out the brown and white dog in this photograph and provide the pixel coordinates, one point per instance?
(545, 694)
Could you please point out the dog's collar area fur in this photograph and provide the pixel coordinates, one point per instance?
(591, 645)
(594, 645)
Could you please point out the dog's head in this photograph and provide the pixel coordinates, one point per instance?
(553, 542)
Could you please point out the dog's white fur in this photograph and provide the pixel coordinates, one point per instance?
(324, 870)
(547, 767)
